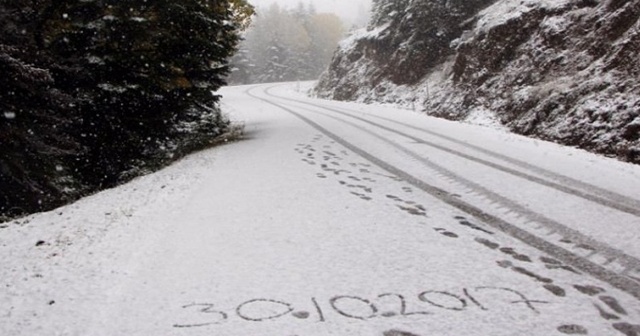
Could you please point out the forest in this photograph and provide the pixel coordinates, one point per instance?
(287, 45)
(95, 92)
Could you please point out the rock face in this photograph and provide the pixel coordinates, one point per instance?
(561, 70)
(404, 41)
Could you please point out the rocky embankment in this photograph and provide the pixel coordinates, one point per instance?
(561, 70)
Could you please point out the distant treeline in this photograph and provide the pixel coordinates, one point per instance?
(94, 92)
(287, 45)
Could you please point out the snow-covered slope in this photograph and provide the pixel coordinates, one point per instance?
(565, 71)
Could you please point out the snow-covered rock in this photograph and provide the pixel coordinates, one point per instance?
(561, 70)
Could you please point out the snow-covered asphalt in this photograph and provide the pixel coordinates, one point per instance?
(339, 219)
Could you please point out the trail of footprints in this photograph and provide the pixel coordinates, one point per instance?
(360, 179)
(608, 307)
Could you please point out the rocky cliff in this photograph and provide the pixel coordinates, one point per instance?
(560, 70)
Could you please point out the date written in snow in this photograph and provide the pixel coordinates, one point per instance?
(386, 305)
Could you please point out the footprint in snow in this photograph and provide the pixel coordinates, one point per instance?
(573, 329)
(446, 233)
(396, 332)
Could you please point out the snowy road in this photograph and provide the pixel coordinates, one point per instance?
(339, 219)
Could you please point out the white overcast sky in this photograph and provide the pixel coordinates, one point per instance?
(347, 9)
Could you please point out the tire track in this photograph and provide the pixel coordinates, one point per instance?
(612, 200)
(616, 280)
(613, 196)
(605, 255)
(578, 239)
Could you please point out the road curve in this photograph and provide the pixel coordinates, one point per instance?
(332, 218)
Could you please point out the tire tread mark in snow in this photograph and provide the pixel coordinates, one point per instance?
(568, 190)
(624, 259)
(614, 200)
(624, 201)
(597, 271)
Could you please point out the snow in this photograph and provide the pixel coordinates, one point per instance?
(360, 34)
(95, 60)
(226, 240)
(112, 88)
(555, 24)
(506, 10)
(484, 117)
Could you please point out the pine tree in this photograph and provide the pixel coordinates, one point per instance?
(384, 11)
(275, 68)
(35, 148)
(95, 91)
(288, 45)
(148, 73)
(241, 67)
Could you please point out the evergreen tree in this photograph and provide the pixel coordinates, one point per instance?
(149, 70)
(384, 11)
(35, 118)
(241, 67)
(95, 91)
(275, 68)
(288, 45)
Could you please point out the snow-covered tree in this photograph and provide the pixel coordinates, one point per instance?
(35, 118)
(148, 72)
(384, 11)
(94, 91)
(274, 67)
(241, 67)
(286, 45)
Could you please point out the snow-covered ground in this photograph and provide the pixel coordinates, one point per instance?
(339, 219)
